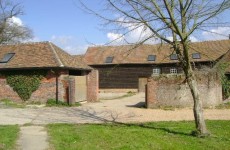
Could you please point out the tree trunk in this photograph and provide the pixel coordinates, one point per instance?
(201, 129)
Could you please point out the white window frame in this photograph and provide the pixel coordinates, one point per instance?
(173, 71)
(156, 71)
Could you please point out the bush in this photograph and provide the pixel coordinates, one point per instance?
(24, 82)
(225, 81)
(52, 102)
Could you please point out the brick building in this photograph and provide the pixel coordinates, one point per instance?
(59, 66)
(126, 68)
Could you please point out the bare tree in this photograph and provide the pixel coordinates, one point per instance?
(177, 19)
(10, 31)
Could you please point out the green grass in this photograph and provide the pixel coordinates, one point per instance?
(224, 106)
(148, 136)
(52, 103)
(11, 104)
(8, 136)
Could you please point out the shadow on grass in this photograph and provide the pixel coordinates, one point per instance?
(112, 117)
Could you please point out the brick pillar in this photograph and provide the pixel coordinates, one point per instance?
(151, 95)
(92, 86)
(71, 91)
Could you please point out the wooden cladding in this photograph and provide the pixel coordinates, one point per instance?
(127, 76)
(124, 76)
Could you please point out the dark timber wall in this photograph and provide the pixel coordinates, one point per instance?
(126, 76)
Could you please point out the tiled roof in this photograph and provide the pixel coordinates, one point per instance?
(209, 51)
(79, 57)
(39, 55)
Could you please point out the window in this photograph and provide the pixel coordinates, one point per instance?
(109, 59)
(173, 71)
(173, 57)
(196, 56)
(7, 57)
(151, 57)
(156, 71)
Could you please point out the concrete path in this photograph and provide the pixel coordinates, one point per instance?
(129, 109)
(119, 110)
(33, 138)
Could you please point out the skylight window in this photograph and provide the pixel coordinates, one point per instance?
(173, 57)
(109, 59)
(196, 56)
(151, 57)
(7, 57)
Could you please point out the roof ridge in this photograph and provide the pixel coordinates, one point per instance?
(56, 55)
(125, 45)
(24, 43)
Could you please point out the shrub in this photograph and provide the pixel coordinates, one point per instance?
(52, 102)
(224, 79)
(25, 82)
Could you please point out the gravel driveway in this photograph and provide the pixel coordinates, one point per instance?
(119, 110)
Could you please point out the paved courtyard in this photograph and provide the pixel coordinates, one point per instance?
(118, 110)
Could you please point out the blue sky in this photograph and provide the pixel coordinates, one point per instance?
(67, 26)
(63, 23)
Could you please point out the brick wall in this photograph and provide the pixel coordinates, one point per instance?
(63, 85)
(6, 92)
(92, 86)
(47, 89)
(172, 91)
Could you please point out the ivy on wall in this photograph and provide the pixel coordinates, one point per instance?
(25, 82)
(224, 79)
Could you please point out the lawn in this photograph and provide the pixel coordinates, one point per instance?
(155, 135)
(8, 136)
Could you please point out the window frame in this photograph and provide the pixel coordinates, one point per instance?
(151, 58)
(173, 57)
(173, 71)
(7, 57)
(156, 71)
(109, 59)
(196, 56)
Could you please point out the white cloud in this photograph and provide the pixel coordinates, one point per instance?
(136, 32)
(63, 40)
(114, 36)
(170, 38)
(70, 44)
(193, 39)
(218, 33)
(34, 39)
(15, 21)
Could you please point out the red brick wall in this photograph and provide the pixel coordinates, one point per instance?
(92, 86)
(6, 92)
(47, 89)
(151, 95)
